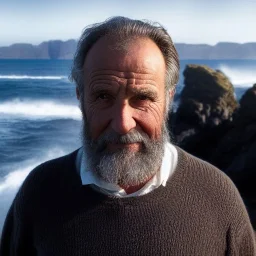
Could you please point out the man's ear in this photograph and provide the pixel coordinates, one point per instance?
(77, 93)
(172, 92)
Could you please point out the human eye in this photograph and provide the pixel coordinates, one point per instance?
(102, 96)
(142, 100)
(143, 97)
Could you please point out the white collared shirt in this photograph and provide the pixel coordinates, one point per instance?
(168, 167)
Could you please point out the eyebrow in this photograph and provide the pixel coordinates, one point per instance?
(143, 91)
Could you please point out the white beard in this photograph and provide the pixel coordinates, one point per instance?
(124, 166)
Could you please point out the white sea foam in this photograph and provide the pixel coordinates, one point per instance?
(21, 77)
(240, 77)
(8, 188)
(13, 180)
(39, 110)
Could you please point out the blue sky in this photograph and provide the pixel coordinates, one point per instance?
(188, 21)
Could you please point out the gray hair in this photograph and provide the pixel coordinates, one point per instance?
(126, 28)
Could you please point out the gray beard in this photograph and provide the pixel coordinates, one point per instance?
(124, 167)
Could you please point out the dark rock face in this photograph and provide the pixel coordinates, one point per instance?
(229, 142)
(206, 101)
(237, 146)
(247, 109)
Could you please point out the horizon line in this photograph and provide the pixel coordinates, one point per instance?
(71, 39)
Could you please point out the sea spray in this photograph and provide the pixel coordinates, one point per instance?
(39, 109)
(240, 77)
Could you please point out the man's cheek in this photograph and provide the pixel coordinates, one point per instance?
(151, 124)
(98, 125)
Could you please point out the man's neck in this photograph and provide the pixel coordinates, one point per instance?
(135, 188)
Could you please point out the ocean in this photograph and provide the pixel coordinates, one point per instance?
(40, 118)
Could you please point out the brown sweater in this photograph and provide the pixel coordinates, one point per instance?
(199, 212)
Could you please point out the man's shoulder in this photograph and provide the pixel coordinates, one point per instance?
(45, 184)
(205, 180)
(50, 173)
(199, 168)
(54, 166)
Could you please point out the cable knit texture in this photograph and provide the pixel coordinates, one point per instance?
(199, 212)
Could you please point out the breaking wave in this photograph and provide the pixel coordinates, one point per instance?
(14, 179)
(240, 77)
(21, 77)
(39, 110)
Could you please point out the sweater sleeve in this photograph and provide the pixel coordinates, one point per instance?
(16, 236)
(241, 242)
(241, 237)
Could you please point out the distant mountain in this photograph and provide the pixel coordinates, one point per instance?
(55, 49)
(218, 51)
(58, 49)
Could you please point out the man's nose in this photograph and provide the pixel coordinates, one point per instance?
(122, 119)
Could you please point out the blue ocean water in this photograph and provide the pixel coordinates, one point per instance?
(40, 118)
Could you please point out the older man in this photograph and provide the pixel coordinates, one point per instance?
(127, 191)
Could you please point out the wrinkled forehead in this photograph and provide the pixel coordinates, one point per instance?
(134, 54)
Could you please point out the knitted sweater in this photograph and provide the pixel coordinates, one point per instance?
(199, 212)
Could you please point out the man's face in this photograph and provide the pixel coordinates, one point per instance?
(124, 109)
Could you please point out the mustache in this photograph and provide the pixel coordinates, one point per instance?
(134, 136)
